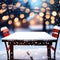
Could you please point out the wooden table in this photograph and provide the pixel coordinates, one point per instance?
(28, 38)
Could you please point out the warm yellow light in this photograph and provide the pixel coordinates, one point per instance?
(47, 22)
(41, 14)
(32, 22)
(5, 17)
(44, 4)
(25, 1)
(11, 15)
(52, 18)
(10, 22)
(42, 9)
(53, 22)
(47, 16)
(22, 8)
(24, 21)
(41, 19)
(54, 13)
(32, 14)
(59, 1)
(17, 24)
(59, 14)
(47, 8)
(22, 16)
(16, 19)
(2, 11)
(18, 4)
(27, 10)
(52, 1)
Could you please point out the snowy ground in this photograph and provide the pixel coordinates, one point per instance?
(20, 52)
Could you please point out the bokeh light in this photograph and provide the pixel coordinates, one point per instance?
(22, 16)
(18, 4)
(52, 21)
(41, 14)
(22, 8)
(44, 5)
(47, 22)
(52, 1)
(54, 13)
(2, 11)
(47, 16)
(17, 24)
(27, 10)
(24, 21)
(5, 17)
(31, 14)
(11, 16)
(32, 22)
(4, 6)
(42, 9)
(10, 22)
(52, 18)
(16, 19)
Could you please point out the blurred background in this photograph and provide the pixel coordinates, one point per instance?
(29, 15)
(39, 15)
